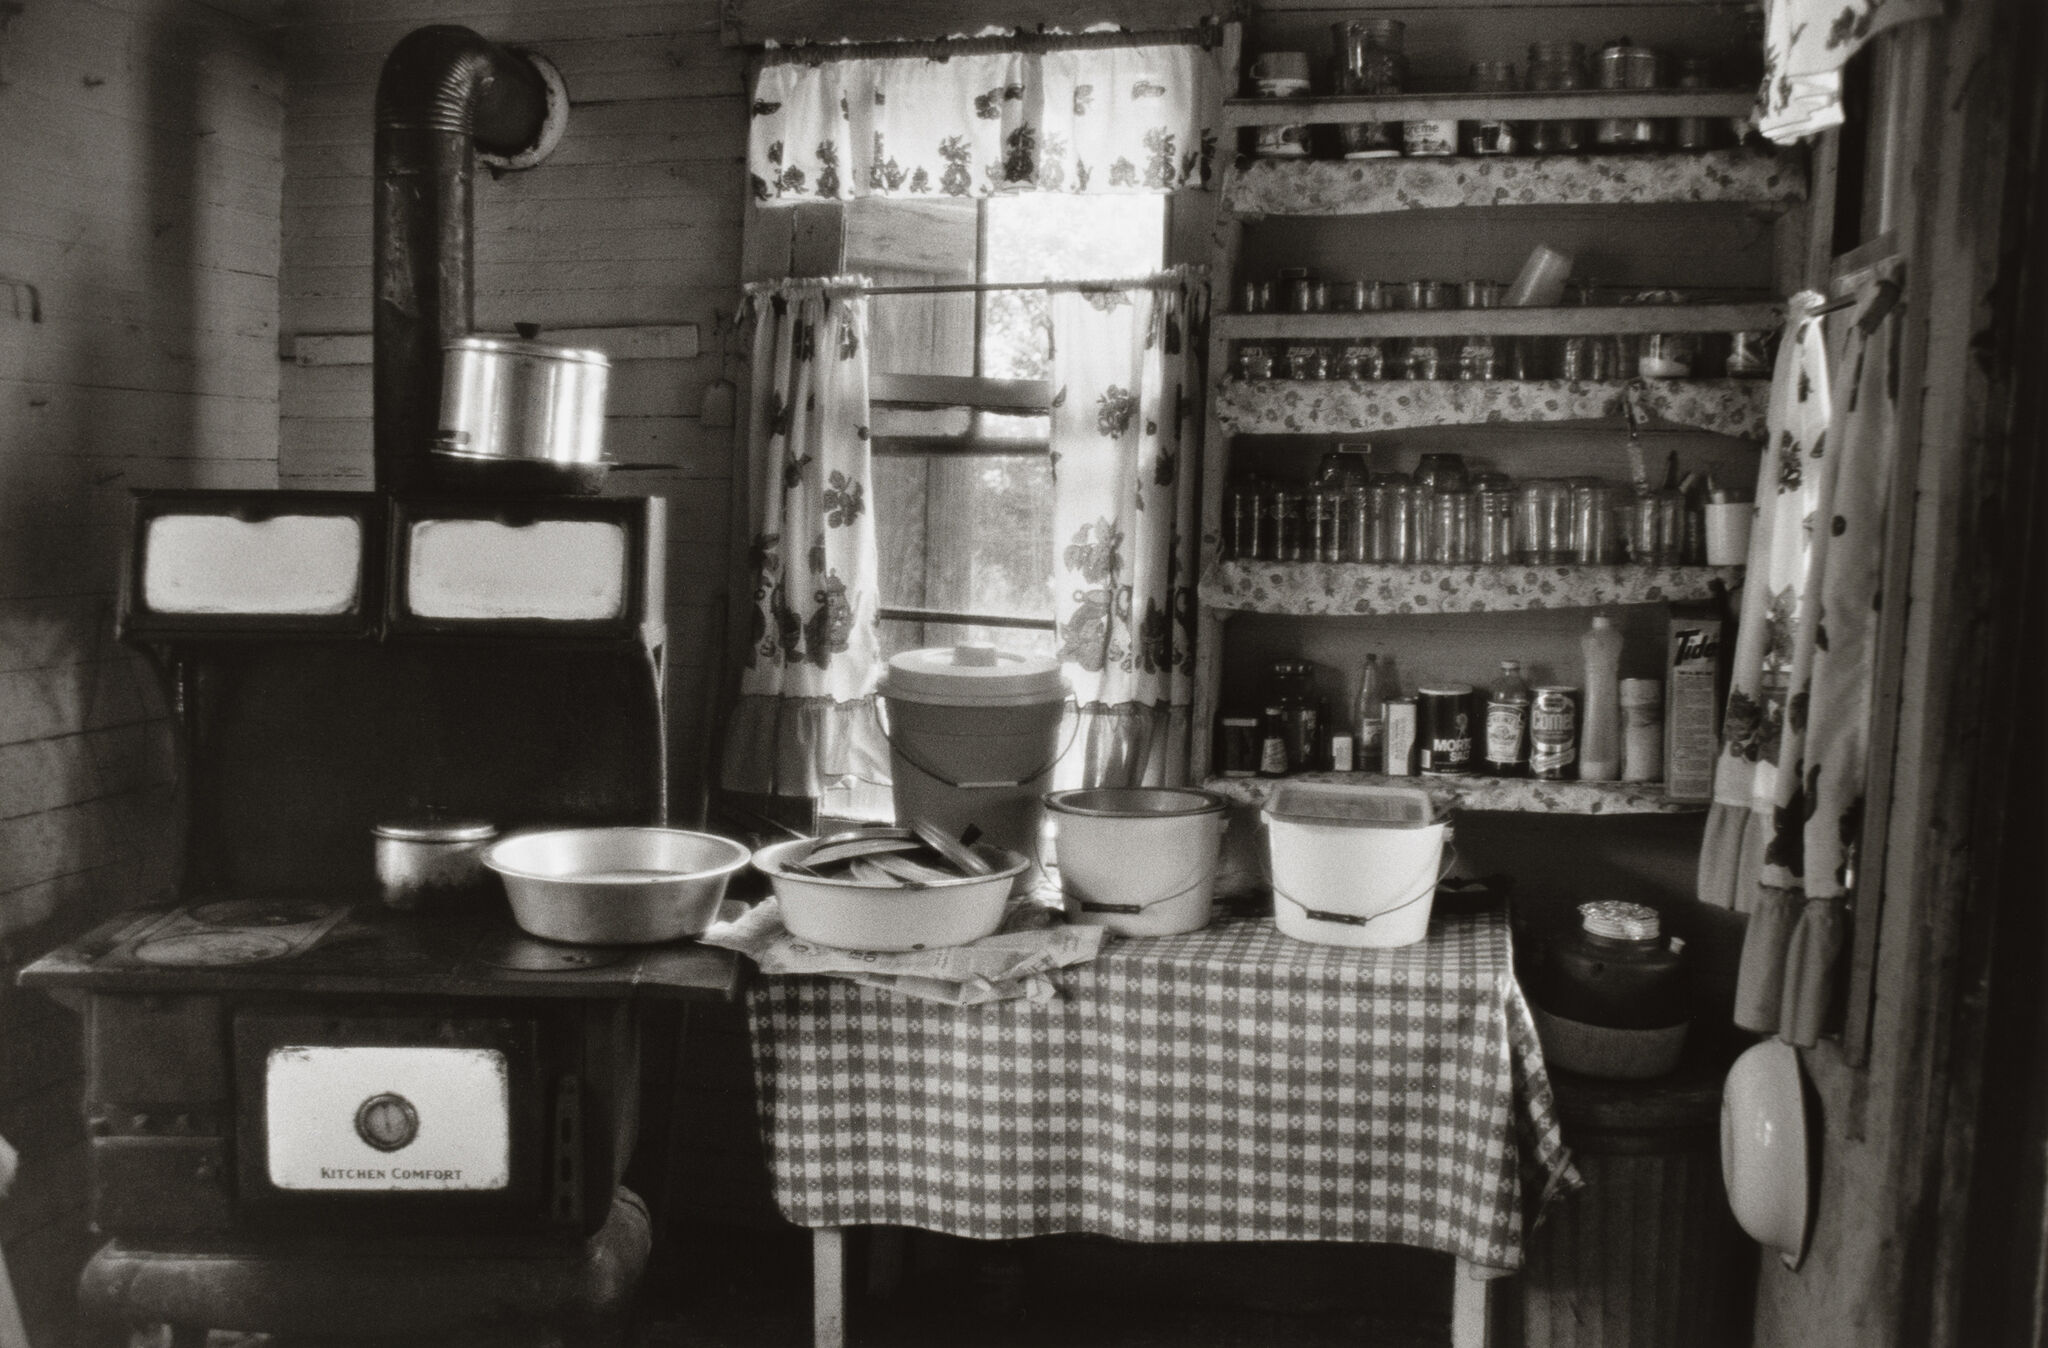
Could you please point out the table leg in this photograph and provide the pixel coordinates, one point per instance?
(828, 1287)
(1471, 1302)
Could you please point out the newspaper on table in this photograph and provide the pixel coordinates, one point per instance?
(1014, 962)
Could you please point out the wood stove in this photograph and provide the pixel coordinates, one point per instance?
(308, 1111)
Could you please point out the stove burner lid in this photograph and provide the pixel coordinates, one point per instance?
(261, 913)
(528, 954)
(207, 949)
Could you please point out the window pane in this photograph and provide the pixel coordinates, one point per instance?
(966, 533)
(1057, 238)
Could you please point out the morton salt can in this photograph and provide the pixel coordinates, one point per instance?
(1444, 735)
(1553, 733)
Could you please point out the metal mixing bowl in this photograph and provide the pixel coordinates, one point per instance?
(614, 886)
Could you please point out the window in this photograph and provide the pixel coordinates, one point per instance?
(959, 383)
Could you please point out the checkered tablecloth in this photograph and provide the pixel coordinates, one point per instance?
(1230, 1084)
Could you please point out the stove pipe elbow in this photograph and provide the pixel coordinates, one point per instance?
(445, 95)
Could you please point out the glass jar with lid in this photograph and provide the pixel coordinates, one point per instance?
(1555, 66)
(1371, 58)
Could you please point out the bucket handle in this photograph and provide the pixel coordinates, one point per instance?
(1133, 909)
(1361, 920)
(875, 706)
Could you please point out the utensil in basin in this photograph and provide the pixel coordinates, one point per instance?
(614, 886)
(854, 915)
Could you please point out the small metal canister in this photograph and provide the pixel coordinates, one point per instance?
(1621, 65)
(1695, 133)
(1554, 733)
(430, 858)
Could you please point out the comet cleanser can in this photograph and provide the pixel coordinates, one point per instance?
(1554, 733)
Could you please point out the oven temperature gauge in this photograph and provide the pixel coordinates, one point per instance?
(387, 1121)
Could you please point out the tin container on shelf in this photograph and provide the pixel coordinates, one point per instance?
(1491, 135)
(1695, 133)
(1238, 745)
(1623, 65)
(1254, 360)
(1555, 66)
(1430, 137)
(1281, 74)
(1444, 729)
(1370, 59)
(1554, 732)
(1307, 360)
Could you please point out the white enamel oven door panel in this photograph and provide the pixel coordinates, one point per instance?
(424, 1122)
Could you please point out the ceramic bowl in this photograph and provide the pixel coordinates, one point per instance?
(1764, 1148)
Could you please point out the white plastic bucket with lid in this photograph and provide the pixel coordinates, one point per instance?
(973, 736)
(1354, 865)
(1139, 860)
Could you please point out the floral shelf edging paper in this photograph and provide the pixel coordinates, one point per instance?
(1337, 589)
(1520, 794)
(1337, 407)
(1374, 186)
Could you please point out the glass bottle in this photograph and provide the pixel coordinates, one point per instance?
(1507, 723)
(1368, 717)
(1479, 354)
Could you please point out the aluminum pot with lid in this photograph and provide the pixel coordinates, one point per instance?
(517, 400)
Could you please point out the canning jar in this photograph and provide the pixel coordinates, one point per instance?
(1479, 354)
(1246, 530)
(1370, 59)
(1393, 520)
(1595, 540)
(1493, 522)
(1284, 510)
(1543, 522)
(1254, 360)
(1554, 66)
(1422, 357)
(1491, 135)
(1450, 536)
(1695, 133)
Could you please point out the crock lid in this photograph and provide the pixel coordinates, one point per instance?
(973, 676)
(1348, 805)
(516, 346)
(1619, 921)
(434, 828)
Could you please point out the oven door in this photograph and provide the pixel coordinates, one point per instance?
(388, 1124)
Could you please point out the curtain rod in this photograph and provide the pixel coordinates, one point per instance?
(1157, 281)
(817, 53)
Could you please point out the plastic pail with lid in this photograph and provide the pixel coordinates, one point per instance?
(973, 736)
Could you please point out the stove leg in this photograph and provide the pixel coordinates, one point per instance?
(828, 1287)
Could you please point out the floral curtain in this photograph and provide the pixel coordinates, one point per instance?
(1788, 791)
(805, 720)
(1111, 119)
(1806, 44)
(1126, 405)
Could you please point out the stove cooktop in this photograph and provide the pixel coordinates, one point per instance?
(333, 945)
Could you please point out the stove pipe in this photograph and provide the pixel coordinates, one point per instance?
(445, 94)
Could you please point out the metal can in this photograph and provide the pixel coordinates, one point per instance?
(1402, 714)
(1307, 360)
(1444, 736)
(1254, 360)
(1246, 528)
(1554, 733)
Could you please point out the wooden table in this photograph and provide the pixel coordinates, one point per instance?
(1230, 1084)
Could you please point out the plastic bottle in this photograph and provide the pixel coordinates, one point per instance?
(1642, 736)
(1272, 743)
(1368, 718)
(1600, 713)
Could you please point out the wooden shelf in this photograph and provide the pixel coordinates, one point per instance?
(1519, 794)
(1774, 180)
(1347, 407)
(1561, 321)
(1363, 589)
(1510, 106)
